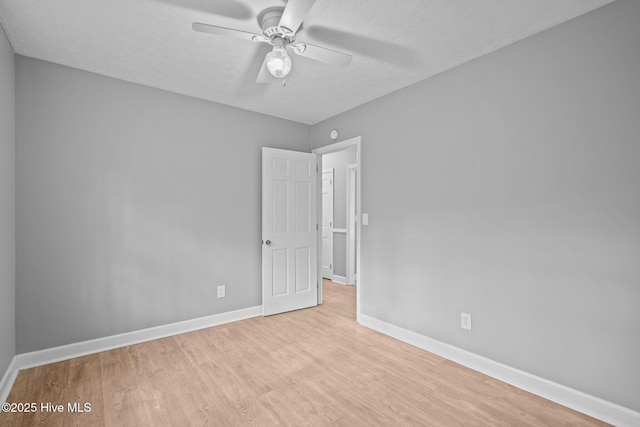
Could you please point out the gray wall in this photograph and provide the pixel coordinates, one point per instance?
(7, 204)
(339, 161)
(508, 188)
(133, 204)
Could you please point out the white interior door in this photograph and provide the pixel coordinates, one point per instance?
(289, 230)
(327, 223)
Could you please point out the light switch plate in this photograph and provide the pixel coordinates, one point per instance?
(365, 219)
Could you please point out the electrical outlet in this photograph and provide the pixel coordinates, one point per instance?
(221, 291)
(465, 321)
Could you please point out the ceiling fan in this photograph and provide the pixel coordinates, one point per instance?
(279, 26)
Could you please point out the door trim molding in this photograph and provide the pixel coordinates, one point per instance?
(331, 148)
(351, 223)
(320, 220)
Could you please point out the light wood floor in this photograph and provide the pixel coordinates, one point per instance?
(311, 367)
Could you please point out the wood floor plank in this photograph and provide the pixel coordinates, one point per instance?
(48, 393)
(313, 367)
(153, 357)
(84, 392)
(176, 398)
(121, 396)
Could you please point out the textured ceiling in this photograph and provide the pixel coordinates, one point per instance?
(394, 43)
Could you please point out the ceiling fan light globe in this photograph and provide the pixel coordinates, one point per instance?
(278, 62)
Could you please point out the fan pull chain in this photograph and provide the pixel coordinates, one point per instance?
(284, 82)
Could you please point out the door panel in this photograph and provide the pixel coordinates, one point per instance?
(289, 236)
(279, 270)
(279, 204)
(303, 262)
(303, 202)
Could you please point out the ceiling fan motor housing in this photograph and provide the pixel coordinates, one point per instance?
(269, 21)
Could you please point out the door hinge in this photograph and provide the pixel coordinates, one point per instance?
(316, 227)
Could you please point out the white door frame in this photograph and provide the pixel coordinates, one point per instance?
(324, 246)
(352, 172)
(331, 148)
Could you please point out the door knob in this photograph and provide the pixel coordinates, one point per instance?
(268, 242)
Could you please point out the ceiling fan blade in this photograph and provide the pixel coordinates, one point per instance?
(322, 54)
(294, 13)
(228, 32)
(234, 9)
(379, 49)
(264, 76)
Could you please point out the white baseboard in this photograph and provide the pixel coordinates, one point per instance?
(339, 279)
(57, 354)
(8, 378)
(571, 398)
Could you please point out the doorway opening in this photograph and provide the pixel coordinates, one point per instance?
(339, 214)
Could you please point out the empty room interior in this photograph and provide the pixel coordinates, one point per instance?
(316, 212)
